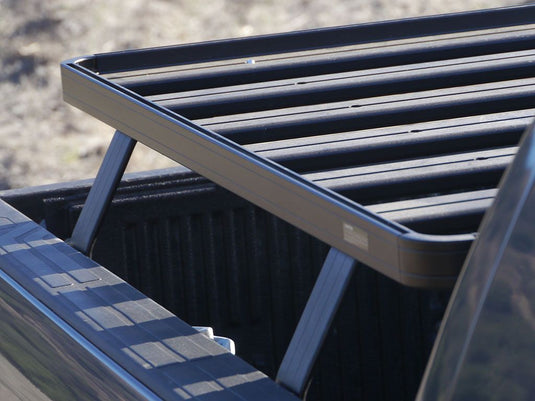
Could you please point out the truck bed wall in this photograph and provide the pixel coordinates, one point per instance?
(216, 260)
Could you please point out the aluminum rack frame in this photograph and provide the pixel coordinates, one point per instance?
(408, 257)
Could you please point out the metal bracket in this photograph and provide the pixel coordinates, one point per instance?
(315, 321)
(108, 177)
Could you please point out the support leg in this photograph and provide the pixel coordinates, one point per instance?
(101, 193)
(315, 321)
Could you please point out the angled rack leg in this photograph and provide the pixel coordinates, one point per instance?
(315, 321)
(99, 198)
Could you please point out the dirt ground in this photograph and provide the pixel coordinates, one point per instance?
(43, 140)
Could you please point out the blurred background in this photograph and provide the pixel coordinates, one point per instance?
(44, 140)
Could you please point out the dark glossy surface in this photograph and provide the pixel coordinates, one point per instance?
(486, 349)
(41, 358)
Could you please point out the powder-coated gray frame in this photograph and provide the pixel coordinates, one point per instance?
(408, 257)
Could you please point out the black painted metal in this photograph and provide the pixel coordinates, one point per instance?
(315, 322)
(406, 108)
(485, 324)
(101, 194)
(322, 38)
(361, 83)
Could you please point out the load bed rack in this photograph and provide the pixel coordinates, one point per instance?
(387, 141)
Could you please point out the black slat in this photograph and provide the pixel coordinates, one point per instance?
(374, 55)
(375, 112)
(352, 85)
(397, 142)
(442, 214)
(313, 39)
(412, 178)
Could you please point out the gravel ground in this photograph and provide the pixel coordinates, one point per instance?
(43, 140)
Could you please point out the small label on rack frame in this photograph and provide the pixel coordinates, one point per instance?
(356, 236)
